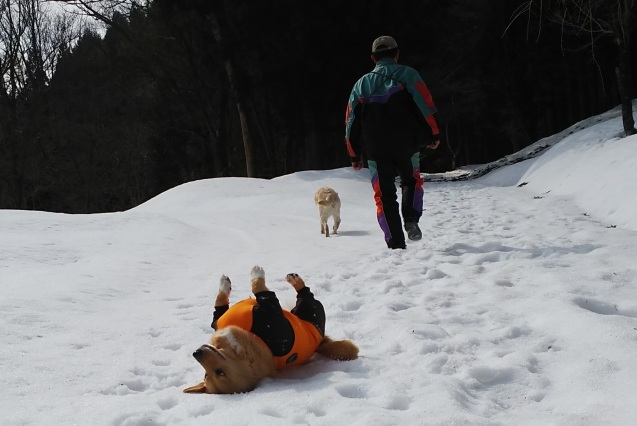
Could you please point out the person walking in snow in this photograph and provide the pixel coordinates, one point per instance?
(384, 122)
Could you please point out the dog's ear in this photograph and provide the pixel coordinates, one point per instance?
(200, 388)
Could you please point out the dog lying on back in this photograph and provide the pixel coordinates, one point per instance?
(329, 204)
(256, 337)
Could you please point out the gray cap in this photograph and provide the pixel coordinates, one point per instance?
(383, 43)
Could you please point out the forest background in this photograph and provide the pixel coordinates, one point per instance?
(102, 117)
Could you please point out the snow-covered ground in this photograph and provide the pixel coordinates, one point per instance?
(518, 307)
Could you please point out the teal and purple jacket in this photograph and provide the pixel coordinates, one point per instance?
(386, 111)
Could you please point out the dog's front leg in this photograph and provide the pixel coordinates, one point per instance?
(223, 296)
(337, 223)
(222, 301)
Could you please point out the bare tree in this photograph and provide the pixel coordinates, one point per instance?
(591, 20)
(31, 40)
(102, 10)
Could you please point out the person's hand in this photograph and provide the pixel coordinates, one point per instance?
(434, 144)
(356, 163)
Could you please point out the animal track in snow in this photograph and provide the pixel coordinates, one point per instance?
(398, 402)
(173, 347)
(270, 412)
(437, 363)
(487, 376)
(435, 274)
(428, 348)
(352, 305)
(537, 396)
(317, 411)
(161, 362)
(604, 308)
(347, 275)
(514, 332)
(397, 307)
(185, 306)
(167, 403)
(154, 333)
(126, 387)
(431, 332)
(203, 410)
(488, 258)
(135, 419)
(393, 284)
(351, 391)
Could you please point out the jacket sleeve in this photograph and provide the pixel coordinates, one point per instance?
(422, 96)
(353, 127)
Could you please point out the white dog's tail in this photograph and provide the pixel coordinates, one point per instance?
(340, 350)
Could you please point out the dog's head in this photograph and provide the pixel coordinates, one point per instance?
(235, 361)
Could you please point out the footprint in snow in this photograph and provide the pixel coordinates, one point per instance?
(604, 308)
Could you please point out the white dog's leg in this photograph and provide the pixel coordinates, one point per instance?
(337, 222)
(324, 226)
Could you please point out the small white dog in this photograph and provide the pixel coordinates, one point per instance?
(329, 204)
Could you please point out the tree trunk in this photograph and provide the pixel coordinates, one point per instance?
(247, 139)
(217, 138)
(623, 71)
(237, 90)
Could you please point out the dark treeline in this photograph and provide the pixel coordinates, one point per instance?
(182, 90)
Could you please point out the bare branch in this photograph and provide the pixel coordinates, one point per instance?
(31, 39)
(523, 8)
(104, 10)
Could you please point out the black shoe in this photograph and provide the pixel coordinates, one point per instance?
(413, 231)
(396, 244)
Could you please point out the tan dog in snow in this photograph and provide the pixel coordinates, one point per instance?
(255, 337)
(329, 204)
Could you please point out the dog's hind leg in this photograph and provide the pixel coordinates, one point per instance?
(296, 281)
(258, 280)
(307, 307)
(324, 226)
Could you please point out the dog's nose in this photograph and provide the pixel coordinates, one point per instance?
(197, 354)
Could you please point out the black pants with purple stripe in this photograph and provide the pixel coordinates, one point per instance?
(383, 172)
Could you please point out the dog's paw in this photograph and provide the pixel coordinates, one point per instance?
(225, 285)
(257, 272)
(295, 280)
(291, 277)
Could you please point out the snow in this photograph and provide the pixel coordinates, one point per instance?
(518, 306)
